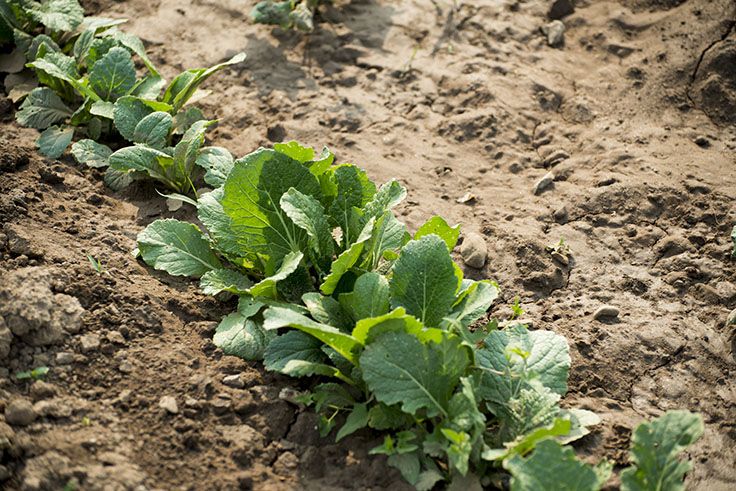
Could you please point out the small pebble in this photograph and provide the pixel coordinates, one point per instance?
(560, 9)
(731, 319)
(544, 183)
(560, 215)
(606, 182)
(474, 250)
(89, 342)
(234, 381)
(555, 32)
(555, 158)
(42, 390)
(115, 337)
(466, 199)
(168, 403)
(606, 312)
(20, 412)
(125, 366)
(220, 405)
(702, 141)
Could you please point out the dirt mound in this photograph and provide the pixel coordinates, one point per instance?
(714, 86)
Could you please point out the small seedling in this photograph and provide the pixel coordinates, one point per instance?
(97, 265)
(516, 309)
(35, 374)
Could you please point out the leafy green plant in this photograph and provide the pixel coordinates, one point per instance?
(22, 18)
(82, 72)
(655, 448)
(330, 283)
(90, 86)
(298, 14)
(168, 137)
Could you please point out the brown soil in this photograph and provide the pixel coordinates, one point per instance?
(633, 115)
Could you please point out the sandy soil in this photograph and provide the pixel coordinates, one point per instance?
(634, 116)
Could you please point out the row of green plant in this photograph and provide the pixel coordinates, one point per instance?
(331, 284)
(90, 88)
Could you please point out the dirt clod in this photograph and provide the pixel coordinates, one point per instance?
(20, 412)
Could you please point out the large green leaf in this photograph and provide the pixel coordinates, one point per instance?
(554, 467)
(113, 76)
(400, 369)
(57, 15)
(54, 140)
(354, 190)
(128, 112)
(155, 163)
(368, 329)
(327, 310)
(308, 213)
(183, 87)
(296, 151)
(217, 163)
(103, 109)
(344, 344)
(387, 197)
(389, 234)
(187, 150)
(655, 447)
(369, 297)
(224, 280)
(219, 227)
(267, 286)
(134, 44)
(510, 359)
(177, 248)
(41, 109)
(149, 88)
(153, 129)
(251, 200)
(242, 336)
(474, 301)
(424, 281)
(438, 226)
(290, 346)
(91, 153)
(82, 45)
(345, 261)
(118, 180)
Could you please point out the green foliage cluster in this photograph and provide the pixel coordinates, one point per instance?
(90, 87)
(331, 284)
(297, 14)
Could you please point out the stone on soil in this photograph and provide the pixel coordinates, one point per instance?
(20, 412)
(474, 250)
(606, 312)
(555, 32)
(544, 183)
(169, 404)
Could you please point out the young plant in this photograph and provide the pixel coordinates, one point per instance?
(330, 283)
(167, 136)
(288, 14)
